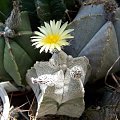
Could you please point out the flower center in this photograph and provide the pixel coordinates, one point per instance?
(54, 38)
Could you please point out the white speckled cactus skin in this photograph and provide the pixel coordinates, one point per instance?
(61, 84)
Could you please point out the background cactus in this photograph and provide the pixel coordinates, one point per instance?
(5, 8)
(96, 32)
(56, 9)
(17, 54)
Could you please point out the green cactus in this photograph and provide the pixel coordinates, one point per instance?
(50, 9)
(17, 55)
(55, 9)
(3, 73)
(5, 9)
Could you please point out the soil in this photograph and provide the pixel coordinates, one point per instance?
(21, 102)
(57, 117)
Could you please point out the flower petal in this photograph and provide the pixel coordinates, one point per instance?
(63, 42)
(66, 32)
(48, 27)
(35, 43)
(47, 48)
(42, 49)
(34, 40)
(36, 37)
(53, 26)
(43, 30)
(57, 47)
(38, 33)
(63, 28)
(67, 37)
(38, 46)
(58, 24)
(52, 46)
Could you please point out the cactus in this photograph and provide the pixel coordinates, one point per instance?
(55, 9)
(16, 55)
(59, 89)
(5, 9)
(96, 32)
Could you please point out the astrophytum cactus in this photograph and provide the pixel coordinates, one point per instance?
(16, 54)
(59, 84)
(56, 9)
(96, 36)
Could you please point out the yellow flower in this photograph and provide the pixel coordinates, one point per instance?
(51, 36)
